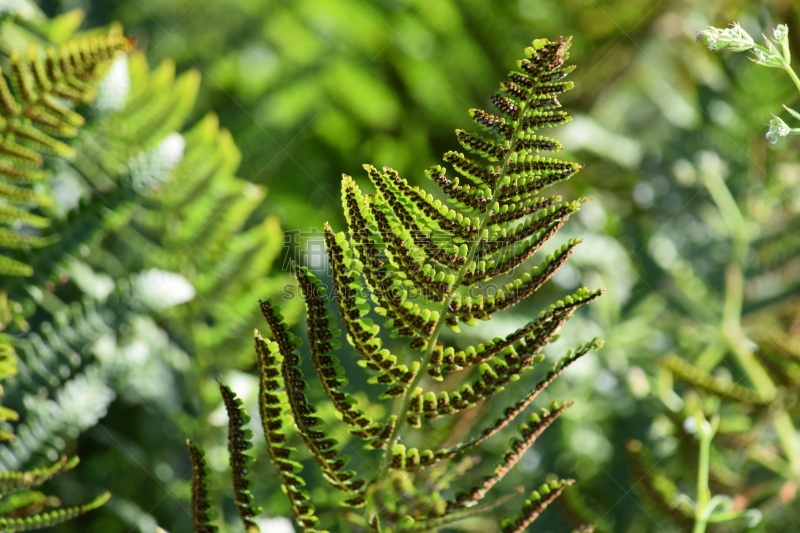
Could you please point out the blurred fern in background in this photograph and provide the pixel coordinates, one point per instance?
(124, 225)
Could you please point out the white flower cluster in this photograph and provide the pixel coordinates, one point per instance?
(774, 54)
(777, 129)
(734, 38)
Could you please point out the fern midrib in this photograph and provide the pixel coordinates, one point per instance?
(426, 359)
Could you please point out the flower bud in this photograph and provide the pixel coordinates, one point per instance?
(781, 32)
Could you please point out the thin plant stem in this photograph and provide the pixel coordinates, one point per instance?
(732, 330)
(706, 433)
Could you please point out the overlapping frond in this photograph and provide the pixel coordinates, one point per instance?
(362, 332)
(202, 504)
(276, 417)
(22, 506)
(322, 447)
(239, 441)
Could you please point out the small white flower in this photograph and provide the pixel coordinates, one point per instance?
(777, 129)
(781, 32)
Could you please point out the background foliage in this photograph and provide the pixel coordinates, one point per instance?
(314, 88)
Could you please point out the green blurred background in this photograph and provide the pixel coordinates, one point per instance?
(313, 88)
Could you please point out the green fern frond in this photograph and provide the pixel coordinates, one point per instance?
(14, 481)
(51, 518)
(11, 320)
(504, 370)
(526, 342)
(696, 377)
(322, 333)
(362, 332)
(322, 447)
(20, 508)
(419, 265)
(239, 441)
(537, 502)
(275, 418)
(528, 433)
(202, 504)
(34, 113)
(429, 458)
(76, 405)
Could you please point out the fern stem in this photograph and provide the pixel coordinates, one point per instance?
(426, 359)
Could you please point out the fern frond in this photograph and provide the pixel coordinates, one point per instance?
(76, 405)
(322, 333)
(525, 342)
(406, 200)
(432, 457)
(384, 280)
(528, 433)
(14, 481)
(34, 95)
(684, 370)
(537, 502)
(239, 441)
(322, 447)
(51, 518)
(420, 265)
(362, 333)
(274, 418)
(468, 309)
(202, 504)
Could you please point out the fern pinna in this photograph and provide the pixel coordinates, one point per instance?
(420, 265)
